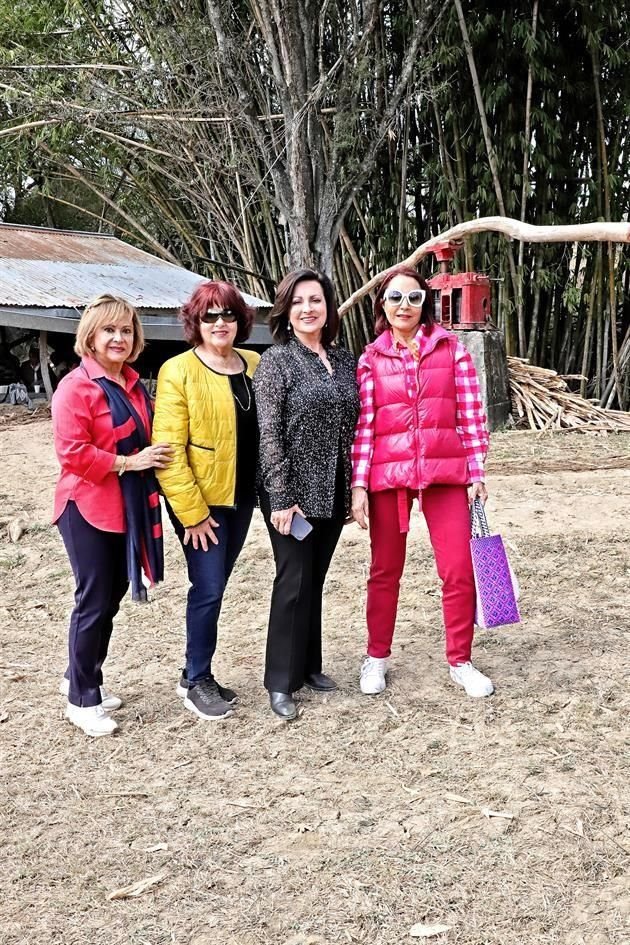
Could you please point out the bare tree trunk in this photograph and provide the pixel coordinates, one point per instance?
(612, 299)
(463, 178)
(603, 377)
(588, 333)
(492, 161)
(556, 304)
(572, 353)
(531, 348)
(446, 162)
(500, 316)
(402, 207)
(624, 358)
(599, 311)
(520, 309)
(43, 362)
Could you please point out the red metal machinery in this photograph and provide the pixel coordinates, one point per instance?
(460, 300)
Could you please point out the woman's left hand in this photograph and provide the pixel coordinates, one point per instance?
(157, 455)
(478, 491)
(360, 506)
(281, 520)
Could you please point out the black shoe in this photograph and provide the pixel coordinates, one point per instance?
(283, 705)
(204, 699)
(320, 682)
(228, 695)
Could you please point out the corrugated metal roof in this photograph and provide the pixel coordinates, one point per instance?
(158, 326)
(38, 242)
(64, 269)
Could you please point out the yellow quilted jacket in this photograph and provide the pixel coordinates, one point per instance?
(195, 413)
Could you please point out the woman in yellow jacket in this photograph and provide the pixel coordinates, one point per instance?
(205, 410)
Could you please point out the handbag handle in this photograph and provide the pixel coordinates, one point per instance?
(478, 520)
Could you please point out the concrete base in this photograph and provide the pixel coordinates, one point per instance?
(487, 349)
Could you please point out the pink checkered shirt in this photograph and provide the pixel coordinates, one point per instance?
(470, 415)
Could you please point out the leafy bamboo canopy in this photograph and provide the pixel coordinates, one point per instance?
(243, 138)
(251, 113)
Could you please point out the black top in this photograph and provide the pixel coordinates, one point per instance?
(246, 437)
(246, 432)
(306, 418)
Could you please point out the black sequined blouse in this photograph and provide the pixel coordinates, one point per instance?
(306, 418)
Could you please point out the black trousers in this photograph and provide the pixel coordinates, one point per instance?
(99, 565)
(294, 638)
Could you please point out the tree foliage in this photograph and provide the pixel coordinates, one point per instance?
(244, 138)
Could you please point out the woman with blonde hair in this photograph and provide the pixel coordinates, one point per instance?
(106, 503)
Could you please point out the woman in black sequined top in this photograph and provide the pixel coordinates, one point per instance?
(307, 403)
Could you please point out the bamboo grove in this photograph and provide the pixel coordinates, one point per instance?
(242, 137)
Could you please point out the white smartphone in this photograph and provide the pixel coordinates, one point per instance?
(300, 528)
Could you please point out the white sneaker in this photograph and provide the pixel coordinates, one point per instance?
(475, 683)
(109, 701)
(372, 679)
(92, 719)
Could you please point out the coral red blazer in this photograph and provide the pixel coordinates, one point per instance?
(86, 448)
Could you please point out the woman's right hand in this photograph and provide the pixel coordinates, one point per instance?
(199, 534)
(360, 506)
(159, 454)
(282, 519)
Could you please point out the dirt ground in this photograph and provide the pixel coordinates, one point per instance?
(505, 819)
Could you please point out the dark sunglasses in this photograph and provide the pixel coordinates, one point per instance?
(211, 317)
(415, 298)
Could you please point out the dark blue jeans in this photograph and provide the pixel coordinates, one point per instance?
(208, 573)
(99, 565)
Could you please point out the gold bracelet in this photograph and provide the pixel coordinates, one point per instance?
(123, 467)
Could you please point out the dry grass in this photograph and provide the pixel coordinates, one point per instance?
(366, 815)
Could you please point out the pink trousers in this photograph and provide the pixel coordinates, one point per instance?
(447, 516)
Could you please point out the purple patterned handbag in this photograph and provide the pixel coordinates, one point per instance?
(495, 583)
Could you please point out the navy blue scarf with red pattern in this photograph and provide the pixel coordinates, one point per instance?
(145, 551)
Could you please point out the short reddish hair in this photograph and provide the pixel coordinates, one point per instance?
(380, 318)
(215, 294)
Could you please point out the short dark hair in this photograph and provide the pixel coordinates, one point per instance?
(279, 316)
(221, 295)
(380, 319)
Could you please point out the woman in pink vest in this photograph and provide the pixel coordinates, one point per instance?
(421, 432)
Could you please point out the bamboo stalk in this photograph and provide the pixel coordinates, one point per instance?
(520, 306)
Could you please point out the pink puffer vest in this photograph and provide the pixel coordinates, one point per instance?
(416, 443)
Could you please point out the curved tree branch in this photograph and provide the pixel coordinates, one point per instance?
(601, 232)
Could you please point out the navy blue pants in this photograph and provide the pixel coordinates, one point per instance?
(208, 573)
(99, 565)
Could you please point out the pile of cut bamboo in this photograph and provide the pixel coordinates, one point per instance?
(542, 400)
